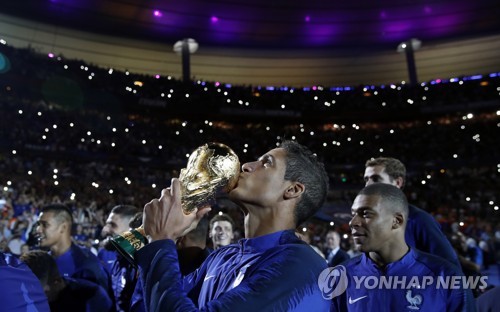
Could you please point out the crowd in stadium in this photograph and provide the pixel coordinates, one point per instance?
(118, 138)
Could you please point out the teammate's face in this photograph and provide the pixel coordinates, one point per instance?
(115, 225)
(332, 241)
(371, 224)
(48, 230)
(262, 182)
(377, 174)
(222, 233)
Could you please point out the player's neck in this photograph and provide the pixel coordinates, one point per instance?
(265, 221)
(389, 255)
(61, 247)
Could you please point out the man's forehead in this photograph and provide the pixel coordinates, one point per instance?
(366, 201)
(114, 217)
(276, 153)
(374, 170)
(222, 223)
(46, 215)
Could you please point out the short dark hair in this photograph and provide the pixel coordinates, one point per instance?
(125, 210)
(136, 220)
(391, 196)
(221, 217)
(199, 234)
(303, 166)
(61, 213)
(42, 264)
(393, 167)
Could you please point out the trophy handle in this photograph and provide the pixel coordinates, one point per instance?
(129, 242)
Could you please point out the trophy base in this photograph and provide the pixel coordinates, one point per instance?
(128, 243)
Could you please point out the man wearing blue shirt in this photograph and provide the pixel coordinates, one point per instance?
(271, 269)
(65, 293)
(54, 232)
(423, 232)
(390, 275)
(20, 290)
(123, 274)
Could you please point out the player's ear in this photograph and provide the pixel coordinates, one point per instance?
(398, 220)
(63, 227)
(400, 181)
(294, 190)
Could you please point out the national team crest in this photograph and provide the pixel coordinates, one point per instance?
(415, 301)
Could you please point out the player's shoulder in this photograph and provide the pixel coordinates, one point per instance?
(435, 264)
(353, 263)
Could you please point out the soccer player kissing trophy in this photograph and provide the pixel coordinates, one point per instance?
(211, 168)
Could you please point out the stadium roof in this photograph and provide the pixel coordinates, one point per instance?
(341, 29)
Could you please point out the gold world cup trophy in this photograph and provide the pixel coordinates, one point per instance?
(211, 168)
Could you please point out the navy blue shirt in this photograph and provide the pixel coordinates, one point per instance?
(79, 262)
(20, 289)
(424, 233)
(123, 280)
(107, 258)
(82, 296)
(366, 291)
(274, 272)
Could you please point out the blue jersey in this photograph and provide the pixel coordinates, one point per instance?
(82, 296)
(424, 233)
(79, 262)
(417, 282)
(107, 258)
(274, 272)
(123, 280)
(20, 289)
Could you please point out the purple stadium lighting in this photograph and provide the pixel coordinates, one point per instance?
(214, 19)
(157, 76)
(307, 18)
(157, 13)
(51, 55)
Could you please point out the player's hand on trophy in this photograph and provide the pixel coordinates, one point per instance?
(164, 218)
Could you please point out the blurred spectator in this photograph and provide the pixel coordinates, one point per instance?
(474, 253)
(469, 267)
(333, 253)
(352, 252)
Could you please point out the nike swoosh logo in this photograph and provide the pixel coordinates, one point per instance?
(208, 277)
(351, 301)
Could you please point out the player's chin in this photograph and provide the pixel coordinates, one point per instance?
(234, 194)
(359, 245)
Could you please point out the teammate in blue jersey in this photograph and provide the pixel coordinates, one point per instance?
(270, 270)
(54, 232)
(20, 290)
(117, 223)
(65, 293)
(390, 275)
(123, 274)
(423, 232)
